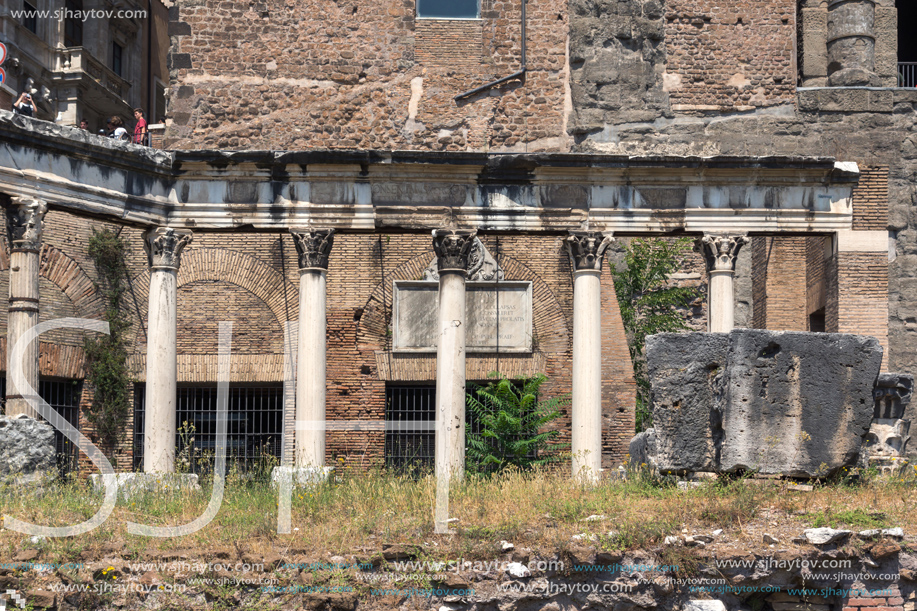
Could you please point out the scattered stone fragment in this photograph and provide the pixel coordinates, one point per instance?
(584, 537)
(872, 533)
(717, 532)
(595, 518)
(770, 539)
(506, 546)
(800, 487)
(518, 570)
(704, 605)
(824, 536)
(670, 540)
(703, 538)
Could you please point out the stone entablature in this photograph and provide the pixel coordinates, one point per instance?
(377, 190)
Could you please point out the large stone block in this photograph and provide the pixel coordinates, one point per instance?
(27, 449)
(683, 370)
(799, 404)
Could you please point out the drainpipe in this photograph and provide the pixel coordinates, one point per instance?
(514, 75)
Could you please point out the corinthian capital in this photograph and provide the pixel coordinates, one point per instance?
(163, 246)
(25, 220)
(720, 251)
(313, 248)
(587, 249)
(453, 249)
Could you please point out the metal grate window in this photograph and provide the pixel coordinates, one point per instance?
(415, 449)
(64, 397)
(410, 448)
(253, 431)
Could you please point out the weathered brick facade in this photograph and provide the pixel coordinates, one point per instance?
(364, 75)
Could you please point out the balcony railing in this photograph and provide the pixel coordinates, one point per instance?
(907, 74)
(78, 59)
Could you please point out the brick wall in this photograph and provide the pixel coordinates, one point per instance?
(456, 43)
(870, 199)
(365, 74)
(779, 283)
(730, 56)
(887, 598)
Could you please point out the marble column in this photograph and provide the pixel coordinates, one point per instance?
(587, 251)
(452, 250)
(25, 218)
(720, 253)
(163, 246)
(313, 248)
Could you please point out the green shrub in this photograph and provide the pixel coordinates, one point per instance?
(512, 419)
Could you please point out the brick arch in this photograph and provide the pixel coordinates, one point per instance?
(244, 271)
(549, 323)
(69, 277)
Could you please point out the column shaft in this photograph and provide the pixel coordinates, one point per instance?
(721, 317)
(163, 246)
(587, 374)
(160, 426)
(311, 375)
(25, 221)
(23, 315)
(720, 253)
(450, 376)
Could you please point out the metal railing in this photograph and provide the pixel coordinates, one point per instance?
(907, 74)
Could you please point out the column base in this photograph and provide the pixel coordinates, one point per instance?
(130, 484)
(300, 476)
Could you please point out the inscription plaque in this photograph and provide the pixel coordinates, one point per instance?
(416, 316)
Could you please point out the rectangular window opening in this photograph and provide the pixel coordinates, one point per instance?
(73, 24)
(448, 9)
(117, 53)
(30, 17)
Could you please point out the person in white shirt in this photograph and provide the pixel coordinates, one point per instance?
(118, 131)
(25, 105)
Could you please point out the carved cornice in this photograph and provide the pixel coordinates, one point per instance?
(720, 251)
(313, 247)
(25, 221)
(587, 249)
(163, 246)
(453, 250)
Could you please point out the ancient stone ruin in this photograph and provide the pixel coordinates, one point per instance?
(887, 441)
(791, 403)
(27, 449)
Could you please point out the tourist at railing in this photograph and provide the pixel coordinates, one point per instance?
(84, 124)
(116, 129)
(25, 105)
(140, 130)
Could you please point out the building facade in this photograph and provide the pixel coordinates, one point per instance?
(86, 59)
(775, 132)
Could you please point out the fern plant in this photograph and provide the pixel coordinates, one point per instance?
(512, 419)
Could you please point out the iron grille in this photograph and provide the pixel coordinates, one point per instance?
(64, 397)
(907, 74)
(404, 449)
(253, 431)
(415, 449)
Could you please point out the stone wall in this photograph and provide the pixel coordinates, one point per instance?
(363, 74)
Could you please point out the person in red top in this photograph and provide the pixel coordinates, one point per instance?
(140, 130)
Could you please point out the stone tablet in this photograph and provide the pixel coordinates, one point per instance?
(416, 315)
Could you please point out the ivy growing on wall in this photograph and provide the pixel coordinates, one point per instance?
(106, 355)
